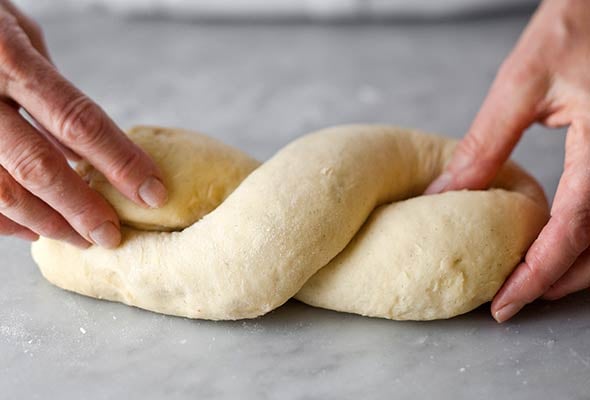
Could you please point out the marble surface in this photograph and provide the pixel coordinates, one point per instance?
(258, 87)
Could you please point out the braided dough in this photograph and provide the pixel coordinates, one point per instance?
(332, 219)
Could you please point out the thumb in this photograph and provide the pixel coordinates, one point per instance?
(509, 108)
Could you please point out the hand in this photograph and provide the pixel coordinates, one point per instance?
(39, 193)
(546, 79)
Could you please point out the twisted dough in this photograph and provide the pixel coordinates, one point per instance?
(339, 201)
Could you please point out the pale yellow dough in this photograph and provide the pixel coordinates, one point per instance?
(344, 201)
(199, 171)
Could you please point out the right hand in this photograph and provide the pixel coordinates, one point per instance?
(39, 193)
(545, 79)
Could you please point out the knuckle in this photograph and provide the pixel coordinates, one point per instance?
(474, 155)
(12, 38)
(38, 169)
(562, 32)
(34, 28)
(470, 147)
(85, 215)
(538, 280)
(53, 227)
(516, 73)
(8, 228)
(8, 193)
(122, 169)
(8, 27)
(578, 234)
(82, 123)
(533, 264)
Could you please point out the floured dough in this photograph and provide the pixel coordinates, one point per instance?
(341, 201)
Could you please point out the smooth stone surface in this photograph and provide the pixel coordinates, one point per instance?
(258, 87)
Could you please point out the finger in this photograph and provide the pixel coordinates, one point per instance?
(35, 36)
(29, 26)
(81, 125)
(44, 172)
(11, 228)
(21, 209)
(563, 239)
(575, 279)
(509, 108)
(66, 151)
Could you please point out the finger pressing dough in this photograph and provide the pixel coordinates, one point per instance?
(335, 218)
(199, 171)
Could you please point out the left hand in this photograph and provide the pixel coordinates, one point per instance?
(39, 193)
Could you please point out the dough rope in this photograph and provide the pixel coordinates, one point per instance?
(335, 219)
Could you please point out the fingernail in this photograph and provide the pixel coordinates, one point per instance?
(106, 235)
(507, 312)
(153, 193)
(439, 184)
(77, 240)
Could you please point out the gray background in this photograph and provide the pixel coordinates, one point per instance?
(283, 9)
(258, 87)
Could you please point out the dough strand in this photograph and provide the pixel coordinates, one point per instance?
(335, 219)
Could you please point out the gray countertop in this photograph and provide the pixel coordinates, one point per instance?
(258, 87)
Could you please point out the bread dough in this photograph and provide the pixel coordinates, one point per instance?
(344, 201)
(199, 171)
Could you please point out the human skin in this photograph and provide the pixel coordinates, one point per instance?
(39, 193)
(545, 79)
